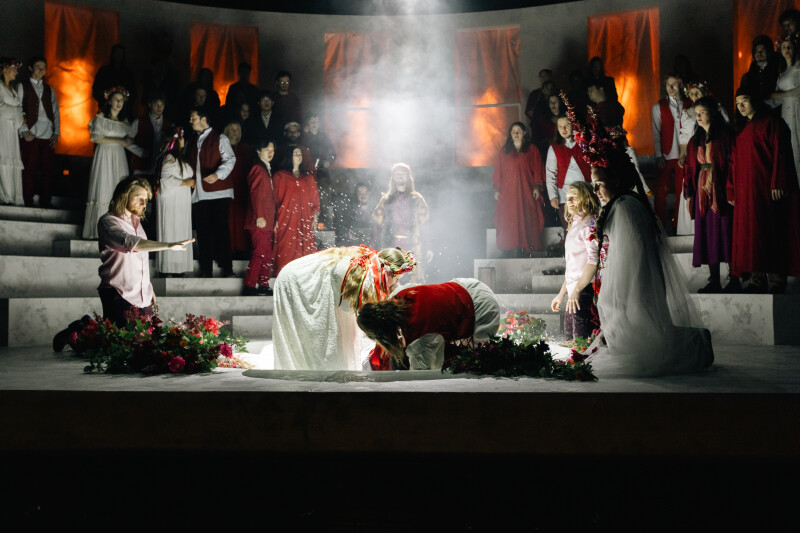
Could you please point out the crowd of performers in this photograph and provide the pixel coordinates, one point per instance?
(328, 303)
(735, 185)
(739, 185)
(248, 186)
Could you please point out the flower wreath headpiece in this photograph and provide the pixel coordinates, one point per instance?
(793, 38)
(376, 272)
(117, 89)
(596, 142)
(702, 85)
(11, 62)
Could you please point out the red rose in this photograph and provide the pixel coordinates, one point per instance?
(176, 365)
(226, 350)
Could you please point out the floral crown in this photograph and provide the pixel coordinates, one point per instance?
(11, 62)
(376, 272)
(595, 141)
(793, 38)
(117, 89)
(702, 85)
(408, 264)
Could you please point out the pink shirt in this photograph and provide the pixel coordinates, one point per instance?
(579, 250)
(123, 269)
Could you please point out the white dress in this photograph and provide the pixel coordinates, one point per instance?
(174, 217)
(109, 167)
(10, 159)
(646, 316)
(310, 330)
(790, 110)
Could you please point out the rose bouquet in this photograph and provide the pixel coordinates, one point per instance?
(147, 345)
(521, 327)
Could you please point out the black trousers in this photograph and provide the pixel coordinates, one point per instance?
(213, 236)
(115, 307)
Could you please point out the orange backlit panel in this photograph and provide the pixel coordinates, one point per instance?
(221, 47)
(77, 43)
(628, 42)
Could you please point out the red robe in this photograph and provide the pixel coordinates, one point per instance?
(766, 233)
(240, 240)
(297, 201)
(519, 218)
(446, 309)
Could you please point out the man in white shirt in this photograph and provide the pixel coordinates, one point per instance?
(212, 159)
(666, 129)
(39, 134)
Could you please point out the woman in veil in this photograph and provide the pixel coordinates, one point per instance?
(649, 325)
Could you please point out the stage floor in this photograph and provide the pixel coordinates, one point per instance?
(737, 369)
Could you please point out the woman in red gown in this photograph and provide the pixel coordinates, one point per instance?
(297, 204)
(518, 184)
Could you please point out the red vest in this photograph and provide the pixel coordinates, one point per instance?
(563, 155)
(210, 159)
(144, 138)
(30, 103)
(668, 123)
(446, 309)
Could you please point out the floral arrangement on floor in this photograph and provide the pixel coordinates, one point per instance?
(519, 349)
(148, 346)
(521, 327)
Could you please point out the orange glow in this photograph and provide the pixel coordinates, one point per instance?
(487, 74)
(482, 131)
(352, 127)
(77, 43)
(750, 19)
(353, 77)
(221, 47)
(628, 42)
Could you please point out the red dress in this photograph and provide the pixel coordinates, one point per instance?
(766, 233)
(296, 201)
(518, 217)
(261, 205)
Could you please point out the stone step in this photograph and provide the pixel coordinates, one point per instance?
(550, 235)
(84, 248)
(34, 321)
(49, 277)
(681, 243)
(525, 275)
(252, 327)
(733, 319)
(37, 214)
(34, 238)
(554, 235)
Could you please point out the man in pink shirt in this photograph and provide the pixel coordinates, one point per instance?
(125, 270)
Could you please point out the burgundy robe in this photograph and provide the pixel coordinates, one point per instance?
(518, 217)
(712, 231)
(766, 233)
(296, 200)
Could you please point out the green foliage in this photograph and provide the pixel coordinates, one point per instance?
(503, 357)
(145, 345)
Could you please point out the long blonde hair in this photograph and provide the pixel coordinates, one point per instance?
(587, 203)
(394, 259)
(123, 191)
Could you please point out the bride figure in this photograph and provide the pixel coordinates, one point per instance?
(316, 296)
(649, 325)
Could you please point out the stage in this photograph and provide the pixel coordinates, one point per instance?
(329, 450)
